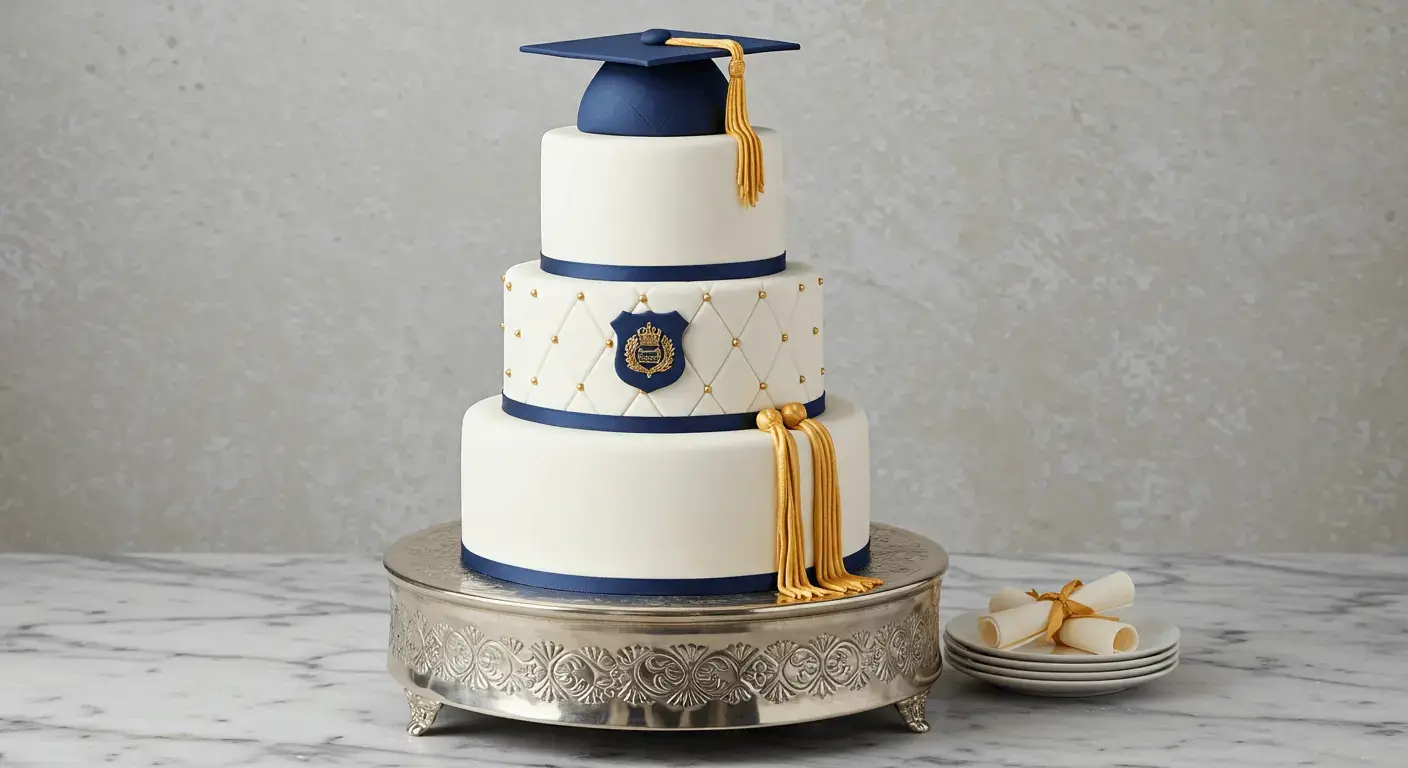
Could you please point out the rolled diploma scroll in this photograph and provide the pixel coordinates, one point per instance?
(1018, 626)
(1098, 636)
(1008, 597)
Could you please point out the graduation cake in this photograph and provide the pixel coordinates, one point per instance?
(664, 426)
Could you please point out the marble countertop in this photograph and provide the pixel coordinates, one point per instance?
(258, 660)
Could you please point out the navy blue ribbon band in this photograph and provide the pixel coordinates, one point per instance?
(608, 585)
(722, 422)
(733, 270)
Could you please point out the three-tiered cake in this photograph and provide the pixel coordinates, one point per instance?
(627, 453)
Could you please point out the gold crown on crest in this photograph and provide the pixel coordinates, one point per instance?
(649, 335)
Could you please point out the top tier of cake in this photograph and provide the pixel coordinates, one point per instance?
(614, 203)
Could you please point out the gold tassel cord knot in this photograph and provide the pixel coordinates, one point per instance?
(749, 174)
(1063, 607)
(826, 506)
(789, 542)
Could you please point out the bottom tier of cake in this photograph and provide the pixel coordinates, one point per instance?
(608, 512)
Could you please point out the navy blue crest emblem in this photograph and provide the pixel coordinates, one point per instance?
(651, 349)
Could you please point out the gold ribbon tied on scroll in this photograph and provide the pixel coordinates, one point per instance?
(793, 584)
(749, 174)
(1063, 607)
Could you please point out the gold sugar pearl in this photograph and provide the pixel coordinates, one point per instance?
(815, 330)
(644, 299)
(707, 297)
(580, 387)
(610, 343)
(762, 385)
(581, 296)
(801, 287)
(508, 372)
(708, 390)
(501, 326)
(533, 293)
(784, 337)
(508, 286)
(762, 294)
(534, 382)
(818, 281)
(554, 339)
(801, 379)
(823, 371)
(517, 333)
(736, 342)
(503, 278)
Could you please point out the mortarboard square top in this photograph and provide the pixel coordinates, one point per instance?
(634, 49)
(648, 88)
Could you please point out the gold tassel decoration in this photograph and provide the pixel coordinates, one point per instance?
(789, 541)
(749, 175)
(826, 506)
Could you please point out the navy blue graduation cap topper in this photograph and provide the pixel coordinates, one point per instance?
(662, 83)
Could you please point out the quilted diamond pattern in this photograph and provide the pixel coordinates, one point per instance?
(760, 340)
(784, 382)
(804, 342)
(683, 298)
(516, 387)
(735, 304)
(757, 312)
(736, 385)
(579, 345)
(707, 406)
(581, 404)
(814, 386)
(643, 406)
(707, 342)
(681, 396)
(782, 296)
(605, 389)
(604, 300)
(556, 384)
(761, 400)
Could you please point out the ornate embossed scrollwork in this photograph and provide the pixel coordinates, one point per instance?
(682, 676)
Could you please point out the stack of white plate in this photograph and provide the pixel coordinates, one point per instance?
(1044, 669)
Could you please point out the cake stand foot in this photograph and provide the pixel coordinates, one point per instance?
(423, 712)
(912, 710)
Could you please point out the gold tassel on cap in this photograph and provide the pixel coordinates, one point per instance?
(826, 506)
(750, 147)
(789, 542)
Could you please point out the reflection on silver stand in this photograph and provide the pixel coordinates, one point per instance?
(615, 661)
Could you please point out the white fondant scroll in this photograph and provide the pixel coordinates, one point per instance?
(1098, 636)
(1014, 626)
(1008, 597)
(1026, 621)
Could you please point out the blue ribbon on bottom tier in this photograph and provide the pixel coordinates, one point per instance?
(721, 422)
(609, 585)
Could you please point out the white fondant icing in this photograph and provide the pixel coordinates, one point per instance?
(791, 303)
(644, 506)
(656, 201)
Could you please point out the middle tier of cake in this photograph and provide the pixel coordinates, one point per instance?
(747, 344)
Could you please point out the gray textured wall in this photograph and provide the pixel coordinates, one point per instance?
(1107, 275)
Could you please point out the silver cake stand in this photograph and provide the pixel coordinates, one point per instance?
(607, 661)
